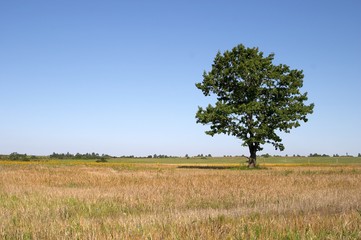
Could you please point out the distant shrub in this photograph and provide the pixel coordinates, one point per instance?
(101, 160)
(318, 155)
(18, 157)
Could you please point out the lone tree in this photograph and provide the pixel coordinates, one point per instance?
(255, 99)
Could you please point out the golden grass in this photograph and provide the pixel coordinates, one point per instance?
(119, 201)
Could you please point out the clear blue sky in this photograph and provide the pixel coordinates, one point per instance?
(118, 77)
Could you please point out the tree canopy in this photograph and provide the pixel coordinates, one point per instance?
(255, 98)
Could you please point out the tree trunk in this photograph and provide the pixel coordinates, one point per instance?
(252, 161)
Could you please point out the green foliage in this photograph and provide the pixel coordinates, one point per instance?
(18, 157)
(78, 156)
(162, 156)
(255, 98)
(318, 155)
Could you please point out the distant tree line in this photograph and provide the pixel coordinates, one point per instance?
(334, 155)
(78, 156)
(203, 155)
(318, 155)
(19, 157)
(160, 156)
(149, 156)
(24, 157)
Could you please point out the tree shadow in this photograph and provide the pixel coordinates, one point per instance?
(220, 167)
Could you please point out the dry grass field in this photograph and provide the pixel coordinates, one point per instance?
(124, 201)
